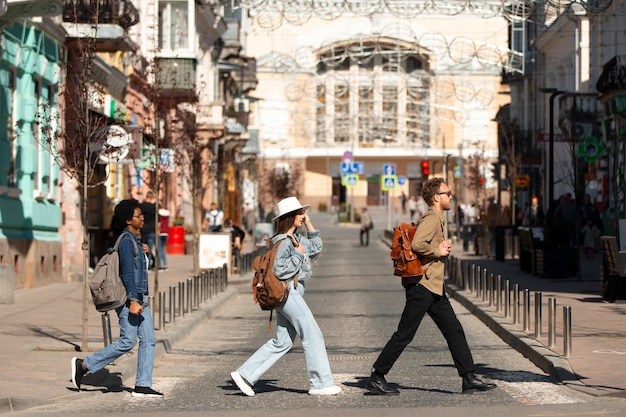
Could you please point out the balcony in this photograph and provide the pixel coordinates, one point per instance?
(108, 12)
(613, 77)
(176, 78)
(210, 116)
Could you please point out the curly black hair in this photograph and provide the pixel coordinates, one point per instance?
(125, 210)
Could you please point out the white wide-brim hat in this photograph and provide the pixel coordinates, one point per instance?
(289, 205)
(164, 212)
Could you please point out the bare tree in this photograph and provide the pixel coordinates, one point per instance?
(81, 143)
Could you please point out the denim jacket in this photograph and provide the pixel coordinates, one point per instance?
(290, 262)
(133, 268)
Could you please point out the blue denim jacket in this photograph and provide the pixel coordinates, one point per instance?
(133, 268)
(290, 262)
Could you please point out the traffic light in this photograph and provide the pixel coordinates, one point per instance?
(425, 168)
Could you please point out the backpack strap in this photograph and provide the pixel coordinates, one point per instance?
(295, 243)
(119, 239)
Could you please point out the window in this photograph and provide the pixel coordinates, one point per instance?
(173, 25)
(366, 112)
(11, 175)
(342, 113)
(390, 113)
(320, 114)
(390, 94)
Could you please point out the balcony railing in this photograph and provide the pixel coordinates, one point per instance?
(176, 77)
(117, 12)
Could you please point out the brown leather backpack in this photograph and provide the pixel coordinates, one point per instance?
(406, 263)
(269, 292)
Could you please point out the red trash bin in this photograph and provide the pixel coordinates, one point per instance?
(176, 240)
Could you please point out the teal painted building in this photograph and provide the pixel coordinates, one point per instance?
(30, 196)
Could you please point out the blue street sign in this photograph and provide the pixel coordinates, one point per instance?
(349, 167)
(389, 169)
(401, 180)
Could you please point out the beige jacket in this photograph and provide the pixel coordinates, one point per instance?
(425, 244)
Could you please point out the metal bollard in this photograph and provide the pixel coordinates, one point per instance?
(172, 303)
(526, 310)
(476, 291)
(472, 277)
(483, 285)
(181, 298)
(567, 331)
(161, 310)
(490, 285)
(538, 314)
(189, 294)
(498, 292)
(151, 304)
(106, 329)
(507, 298)
(466, 272)
(196, 297)
(516, 304)
(551, 322)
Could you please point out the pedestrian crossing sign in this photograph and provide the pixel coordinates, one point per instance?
(350, 180)
(388, 182)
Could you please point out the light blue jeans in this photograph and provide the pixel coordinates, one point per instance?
(131, 328)
(293, 318)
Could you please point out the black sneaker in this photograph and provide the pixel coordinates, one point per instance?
(77, 372)
(146, 392)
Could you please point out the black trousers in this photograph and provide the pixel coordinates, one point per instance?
(365, 231)
(420, 301)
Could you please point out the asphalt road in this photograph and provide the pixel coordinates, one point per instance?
(357, 304)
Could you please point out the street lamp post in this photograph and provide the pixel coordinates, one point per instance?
(553, 94)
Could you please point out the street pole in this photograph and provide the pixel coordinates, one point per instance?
(553, 94)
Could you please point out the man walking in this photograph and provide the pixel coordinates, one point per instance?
(425, 294)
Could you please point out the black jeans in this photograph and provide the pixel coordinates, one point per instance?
(420, 301)
(365, 231)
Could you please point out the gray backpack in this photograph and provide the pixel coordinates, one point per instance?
(107, 289)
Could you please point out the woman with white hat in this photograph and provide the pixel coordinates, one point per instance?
(293, 258)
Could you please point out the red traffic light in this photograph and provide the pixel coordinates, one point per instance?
(425, 168)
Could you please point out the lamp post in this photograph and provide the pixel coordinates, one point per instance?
(553, 94)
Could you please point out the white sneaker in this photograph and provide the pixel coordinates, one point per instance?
(334, 390)
(242, 384)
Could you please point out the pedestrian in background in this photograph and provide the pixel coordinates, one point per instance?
(164, 232)
(135, 317)
(366, 222)
(293, 258)
(426, 294)
(237, 235)
(214, 219)
(412, 206)
(148, 232)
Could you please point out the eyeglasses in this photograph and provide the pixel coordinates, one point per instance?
(139, 216)
(448, 193)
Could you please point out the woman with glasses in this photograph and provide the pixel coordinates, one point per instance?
(135, 317)
(293, 259)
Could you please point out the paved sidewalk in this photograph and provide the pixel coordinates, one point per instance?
(41, 331)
